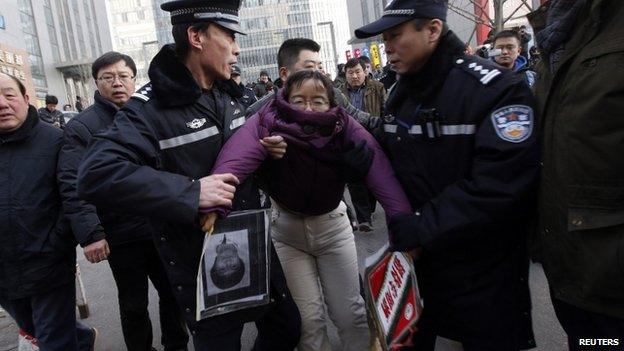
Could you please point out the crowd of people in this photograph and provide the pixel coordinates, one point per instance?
(481, 164)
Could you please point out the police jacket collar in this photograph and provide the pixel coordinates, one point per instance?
(172, 83)
(24, 130)
(431, 77)
(107, 105)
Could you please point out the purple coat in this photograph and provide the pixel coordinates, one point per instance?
(304, 180)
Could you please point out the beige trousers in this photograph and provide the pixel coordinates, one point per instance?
(320, 264)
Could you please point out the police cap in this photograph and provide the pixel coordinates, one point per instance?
(236, 70)
(400, 11)
(221, 12)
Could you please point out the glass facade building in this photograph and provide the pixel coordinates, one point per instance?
(61, 39)
(270, 22)
(133, 32)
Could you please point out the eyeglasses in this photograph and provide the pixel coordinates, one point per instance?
(110, 78)
(315, 104)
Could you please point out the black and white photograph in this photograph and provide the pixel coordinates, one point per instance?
(234, 269)
(230, 268)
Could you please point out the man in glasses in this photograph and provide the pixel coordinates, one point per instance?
(124, 239)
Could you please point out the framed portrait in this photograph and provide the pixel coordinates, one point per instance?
(234, 269)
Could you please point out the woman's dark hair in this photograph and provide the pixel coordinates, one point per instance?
(111, 58)
(180, 36)
(296, 79)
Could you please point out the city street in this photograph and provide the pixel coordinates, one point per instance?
(101, 293)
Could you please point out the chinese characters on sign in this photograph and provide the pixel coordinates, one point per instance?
(12, 63)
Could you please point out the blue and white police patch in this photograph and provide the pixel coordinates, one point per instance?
(513, 123)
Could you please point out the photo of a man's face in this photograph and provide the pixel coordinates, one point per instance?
(229, 269)
(235, 266)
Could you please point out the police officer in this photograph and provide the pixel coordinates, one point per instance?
(461, 135)
(245, 95)
(155, 159)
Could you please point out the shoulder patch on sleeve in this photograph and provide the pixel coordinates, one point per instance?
(513, 123)
(144, 93)
(486, 72)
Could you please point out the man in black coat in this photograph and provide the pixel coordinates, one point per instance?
(156, 159)
(461, 134)
(245, 95)
(132, 255)
(50, 114)
(37, 250)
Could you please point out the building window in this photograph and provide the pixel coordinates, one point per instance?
(51, 30)
(32, 43)
(2, 24)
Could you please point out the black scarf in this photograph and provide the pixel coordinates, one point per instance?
(424, 84)
(24, 130)
(562, 14)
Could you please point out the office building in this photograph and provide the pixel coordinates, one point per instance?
(57, 40)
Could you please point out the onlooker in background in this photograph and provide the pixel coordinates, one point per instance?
(245, 95)
(509, 43)
(369, 96)
(525, 39)
(534, 57)
(38, 255)
(302, 53)
(264, 85)
(124, 239)
(341, 78)
(50, 114)
(78, 104)
(366, 63)
(580, 238)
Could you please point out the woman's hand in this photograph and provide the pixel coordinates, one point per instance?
(275, 146)
(207, 222)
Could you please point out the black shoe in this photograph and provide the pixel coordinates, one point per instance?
(366, 227)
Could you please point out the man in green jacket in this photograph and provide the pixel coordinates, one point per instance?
(580, 237)
(367, 95)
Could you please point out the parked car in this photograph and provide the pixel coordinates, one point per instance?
(67, 115)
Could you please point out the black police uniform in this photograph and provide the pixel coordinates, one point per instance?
(460, 138)
(162, 141)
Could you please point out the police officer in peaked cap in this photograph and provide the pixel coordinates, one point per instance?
(461, 134)
(156, 159)
(245, 95)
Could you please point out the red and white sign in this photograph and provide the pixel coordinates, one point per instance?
(348, 54)
(393, 298)
(357, 52)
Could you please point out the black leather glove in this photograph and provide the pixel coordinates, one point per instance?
(403, 235)
(374, 123)
(355, 162)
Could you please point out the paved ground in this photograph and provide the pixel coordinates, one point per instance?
(101, 292)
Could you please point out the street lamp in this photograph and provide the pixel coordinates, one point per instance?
(333, 39)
